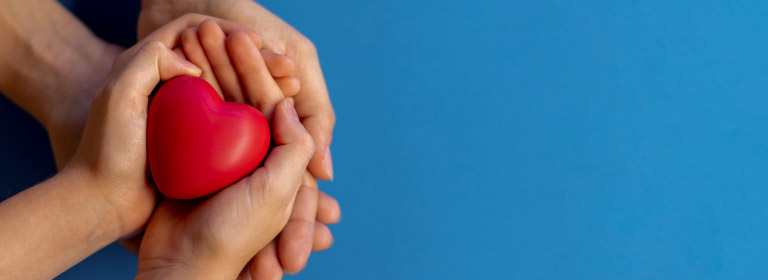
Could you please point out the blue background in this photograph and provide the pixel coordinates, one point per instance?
(525, 140)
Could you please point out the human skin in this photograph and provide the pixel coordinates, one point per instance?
(291, 251)
(199, 44)
(92, 201)
(52, 66)
(214, 238)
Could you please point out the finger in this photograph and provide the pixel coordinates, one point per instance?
(170, 34)
(295, 243)
(328, 210)
(315, 110)
(260, 87)
(285, 166)
(278, 64)
(214, 43)
(290, 86)
(142, 67)
(195, 53)
(265, 265)
(320, 126)
(323, 237)
(180, 52)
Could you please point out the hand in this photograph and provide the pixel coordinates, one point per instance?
(210, 33)
(216, 237)
(313, 107)
(206, 47)
(113, 147)
(114, 140)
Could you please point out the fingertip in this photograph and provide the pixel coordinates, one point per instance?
(323, 237)
(320, 125)
(209, 25)
(266, 265)
(295, 245)
(321, 165)
(169, 63)
(190, 68)
(328, 209)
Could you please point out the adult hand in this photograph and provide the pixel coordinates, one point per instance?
(302, 234)
(216, 237)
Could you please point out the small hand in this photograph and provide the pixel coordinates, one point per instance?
(233, 67)
(216, 237)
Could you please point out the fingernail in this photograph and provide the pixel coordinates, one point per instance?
(328, 162)
(291, 111)
(290, 273)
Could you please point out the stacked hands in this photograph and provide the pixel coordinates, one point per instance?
(104, 178)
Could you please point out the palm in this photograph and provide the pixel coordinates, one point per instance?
(177, 224)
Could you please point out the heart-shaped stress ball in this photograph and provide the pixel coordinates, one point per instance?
(197, 143)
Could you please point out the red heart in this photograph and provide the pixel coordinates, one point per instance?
(198, 144)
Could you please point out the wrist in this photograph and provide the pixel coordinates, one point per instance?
(106, 223)
(124, 210)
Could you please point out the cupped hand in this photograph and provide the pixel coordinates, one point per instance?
(216, 237)
(112, 151)
(133, 198)
(230, 66)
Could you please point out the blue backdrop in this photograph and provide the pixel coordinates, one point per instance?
(525, 140)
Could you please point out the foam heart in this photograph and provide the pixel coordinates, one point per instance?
(197, 143)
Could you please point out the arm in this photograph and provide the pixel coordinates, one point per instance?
(54, 225)
(103, 193)
(51, 66)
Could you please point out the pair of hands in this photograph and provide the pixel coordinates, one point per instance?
(216, 237)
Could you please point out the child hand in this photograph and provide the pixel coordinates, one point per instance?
(233, 67)
(216, 237)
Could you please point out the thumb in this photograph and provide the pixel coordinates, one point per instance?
(142, 67)
(287, 162)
